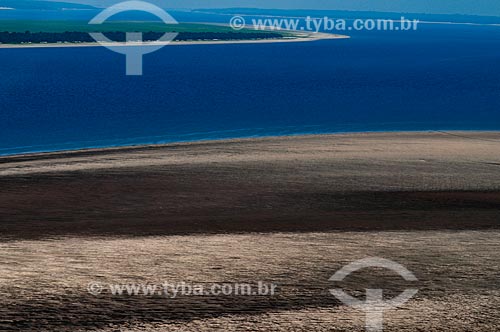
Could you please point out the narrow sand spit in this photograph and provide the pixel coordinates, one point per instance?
(299, 37)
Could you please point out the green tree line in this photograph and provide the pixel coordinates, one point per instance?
(83, 37)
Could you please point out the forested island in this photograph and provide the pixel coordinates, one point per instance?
(54, 32)
(28, 37)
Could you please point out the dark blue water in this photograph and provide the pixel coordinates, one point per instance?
(440, 77)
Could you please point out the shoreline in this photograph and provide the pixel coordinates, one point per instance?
(139, 146)
(302, 37)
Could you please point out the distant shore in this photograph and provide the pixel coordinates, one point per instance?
(299, 37)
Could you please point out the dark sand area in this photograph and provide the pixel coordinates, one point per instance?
(292, 184)
(289, 210)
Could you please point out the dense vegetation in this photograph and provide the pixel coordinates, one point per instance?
(83, 37)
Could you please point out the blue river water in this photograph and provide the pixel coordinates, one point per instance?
(441, 77)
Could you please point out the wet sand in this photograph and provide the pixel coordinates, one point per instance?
(286, 210)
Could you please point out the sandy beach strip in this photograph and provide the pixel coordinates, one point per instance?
(299, 37)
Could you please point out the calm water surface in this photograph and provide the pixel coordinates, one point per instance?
(441, 77)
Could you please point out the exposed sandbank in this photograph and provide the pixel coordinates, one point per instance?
(308, 183)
